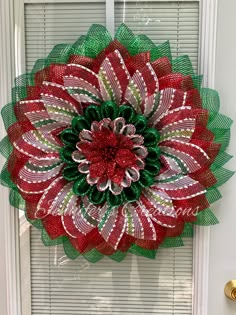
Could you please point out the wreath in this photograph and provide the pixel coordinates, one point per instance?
(113, 147)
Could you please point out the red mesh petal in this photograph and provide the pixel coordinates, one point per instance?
(53, 226)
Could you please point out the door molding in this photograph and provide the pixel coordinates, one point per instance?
(10, 301)
(201, 241)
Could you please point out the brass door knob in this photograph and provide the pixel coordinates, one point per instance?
(230, 290)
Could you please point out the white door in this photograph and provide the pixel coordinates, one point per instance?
(222, 262)
(215, 263)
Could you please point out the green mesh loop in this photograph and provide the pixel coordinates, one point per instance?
(93, 256)
(36, 223)
(5, 147)
(69, 250)
(60, 53)
(16, 200)
(41, 64)
(172, 242)
(118, 256)
(221, 159)
(124, 35)
(197, 81)
(26, 79)
(18, 93)
(153, 169)
(213, 194)
(188, 230)
(8, 115)
(47, 241)
(162, 50)
(220, 121)
(183, 65)
(153, 154)
(210, 100)
(97, 39)
(146, 179)
(222, 175)
(222, 136)
(6, 177)
(139, 44)
(77, 45)
(140, 123)
(206, 218)
(139, 251)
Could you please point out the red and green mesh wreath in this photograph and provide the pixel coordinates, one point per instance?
(113, 147)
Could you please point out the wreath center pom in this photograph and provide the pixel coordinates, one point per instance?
(110, 154)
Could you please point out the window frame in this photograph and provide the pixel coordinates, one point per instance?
(12, 44)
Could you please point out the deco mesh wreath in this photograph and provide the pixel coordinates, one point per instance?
(113, 147)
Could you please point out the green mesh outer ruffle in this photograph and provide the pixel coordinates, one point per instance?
(91, 45)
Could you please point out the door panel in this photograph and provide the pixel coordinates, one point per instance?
(222, 244)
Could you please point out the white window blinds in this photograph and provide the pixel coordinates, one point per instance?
(137, 285)
(49, 24)
(176, 21)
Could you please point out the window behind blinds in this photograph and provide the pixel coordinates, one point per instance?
(137, 285)
(49, 24)
(177, 21)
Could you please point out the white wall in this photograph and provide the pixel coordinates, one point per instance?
(223, 245)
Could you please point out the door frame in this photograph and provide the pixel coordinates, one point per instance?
(13, 64)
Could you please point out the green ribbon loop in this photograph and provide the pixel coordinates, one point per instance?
(69, 137)
(115, 200)
(133, 192)
(153, 154)
(93, 113)
(140, 123)
(146, 179)
(71, 173)
(81, 187)
(127, 113)
(66, 154)
(79, 123)
(109, 110)
(151, 137)
(153, 169)
(96, 197)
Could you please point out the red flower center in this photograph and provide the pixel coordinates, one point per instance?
(109, 155)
